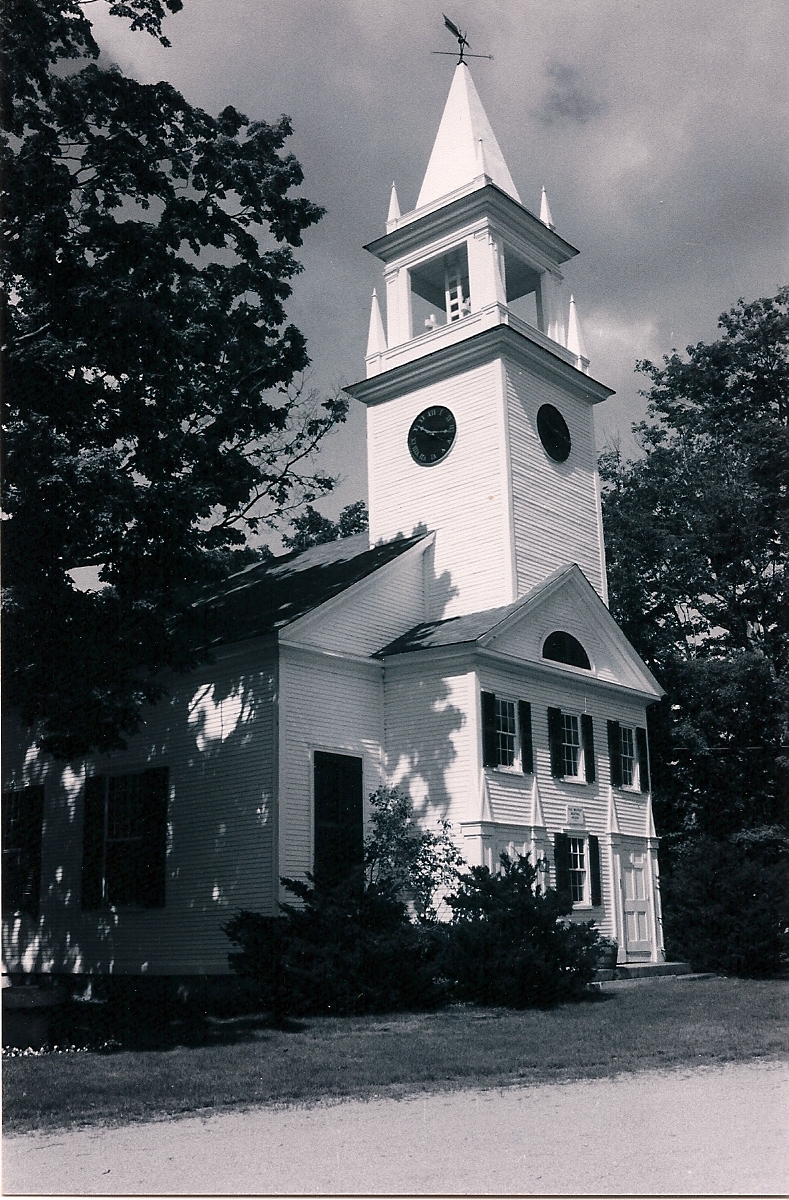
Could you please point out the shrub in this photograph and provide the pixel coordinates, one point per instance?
(725, 905)
(348, 949)
(508, 944)
(352, 948)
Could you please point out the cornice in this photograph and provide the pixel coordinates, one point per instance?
(474, 351)
(415, 230)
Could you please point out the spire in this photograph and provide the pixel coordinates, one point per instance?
(545, 210)
(612, 818)
(455, 159)
(394, 205)
(575, 339)
(376, 338)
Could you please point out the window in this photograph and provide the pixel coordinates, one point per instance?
(339, 816)
(562, 647)
(23, 818)
(125, 840)
(628, 756)
(571, 739)
(578, 871)
(506, 733)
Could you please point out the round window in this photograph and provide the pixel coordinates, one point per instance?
(554, 434)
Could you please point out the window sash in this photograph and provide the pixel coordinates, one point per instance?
(571, 745)
(577, 848)
(627, 756)
(506, 733)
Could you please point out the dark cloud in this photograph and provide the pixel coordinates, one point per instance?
(569, 99)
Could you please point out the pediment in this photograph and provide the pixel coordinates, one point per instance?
(567, 602)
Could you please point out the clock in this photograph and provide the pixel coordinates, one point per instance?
(432, 435)
(554, 434)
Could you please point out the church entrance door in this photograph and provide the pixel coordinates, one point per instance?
(635, 903)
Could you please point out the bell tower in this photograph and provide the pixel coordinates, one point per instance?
(479, 405)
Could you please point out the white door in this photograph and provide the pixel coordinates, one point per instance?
(635, 902)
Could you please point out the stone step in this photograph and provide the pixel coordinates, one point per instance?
(642, 971)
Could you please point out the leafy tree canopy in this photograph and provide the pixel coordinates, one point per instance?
(695, 533)
(153, 417)
(312, 529)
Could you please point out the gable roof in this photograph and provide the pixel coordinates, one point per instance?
(495, 628)
(267, 596)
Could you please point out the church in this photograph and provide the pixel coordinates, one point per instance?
(463, 650)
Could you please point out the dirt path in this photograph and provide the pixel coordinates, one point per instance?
(709, 1130)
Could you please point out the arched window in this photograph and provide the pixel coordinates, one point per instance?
(564, 648)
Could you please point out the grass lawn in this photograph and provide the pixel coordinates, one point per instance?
(660, 1023)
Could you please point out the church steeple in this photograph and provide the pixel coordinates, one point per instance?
(465, 149)
(479, 416)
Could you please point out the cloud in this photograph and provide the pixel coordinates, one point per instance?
(569, 100)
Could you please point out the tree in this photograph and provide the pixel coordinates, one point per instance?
(312, 529)
(153, 416)
(694, 537)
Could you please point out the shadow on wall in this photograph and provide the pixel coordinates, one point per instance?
(214, 735)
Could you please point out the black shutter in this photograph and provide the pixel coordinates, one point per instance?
(527, 750)
(595, 879)
(154, 795)
(615, 754)
(556, 740)
(339, 816)
(489, 756)
(587, 739)
(561, 861)
(643, 759)
(93, 841)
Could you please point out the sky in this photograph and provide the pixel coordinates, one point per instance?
(659, 129)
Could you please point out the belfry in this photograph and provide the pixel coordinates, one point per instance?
(462, 651)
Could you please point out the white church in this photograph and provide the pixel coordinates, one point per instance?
(463, 650)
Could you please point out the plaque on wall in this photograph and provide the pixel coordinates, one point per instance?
(575, 815)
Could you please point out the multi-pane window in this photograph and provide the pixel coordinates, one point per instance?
(627, 753)
(577, 869)
(628, 756)
(23, 815)
(571, 738)
(125, 840)
(506, 732)
(571, 745)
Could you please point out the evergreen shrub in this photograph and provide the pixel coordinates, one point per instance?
(726, 903)
(508, 943)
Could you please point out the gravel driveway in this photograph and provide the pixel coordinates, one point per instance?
(705, 1130)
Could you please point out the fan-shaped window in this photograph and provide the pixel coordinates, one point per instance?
(564, 648)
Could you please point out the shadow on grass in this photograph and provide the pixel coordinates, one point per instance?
(110, 1028)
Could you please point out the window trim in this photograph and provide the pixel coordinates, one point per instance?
(151, 883)
(593, 871)
(587, 772)
(641, 777)
(523, 760)
(27, 845)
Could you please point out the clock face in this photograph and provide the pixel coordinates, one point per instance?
(431, 435)
(554, 434)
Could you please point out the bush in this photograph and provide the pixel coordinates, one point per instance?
(508, 944)
(725, 903)
(346, 950)
(352, 948)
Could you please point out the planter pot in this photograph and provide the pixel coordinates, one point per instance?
(606, 959)
(27, 1016)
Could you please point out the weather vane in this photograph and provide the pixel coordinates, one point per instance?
(462, 43)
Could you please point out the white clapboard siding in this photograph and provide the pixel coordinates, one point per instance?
(463, 498)
(214, 733)
(326, 703)
(555, 505)
(368, 616)
(610, 656)
(429, 750)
